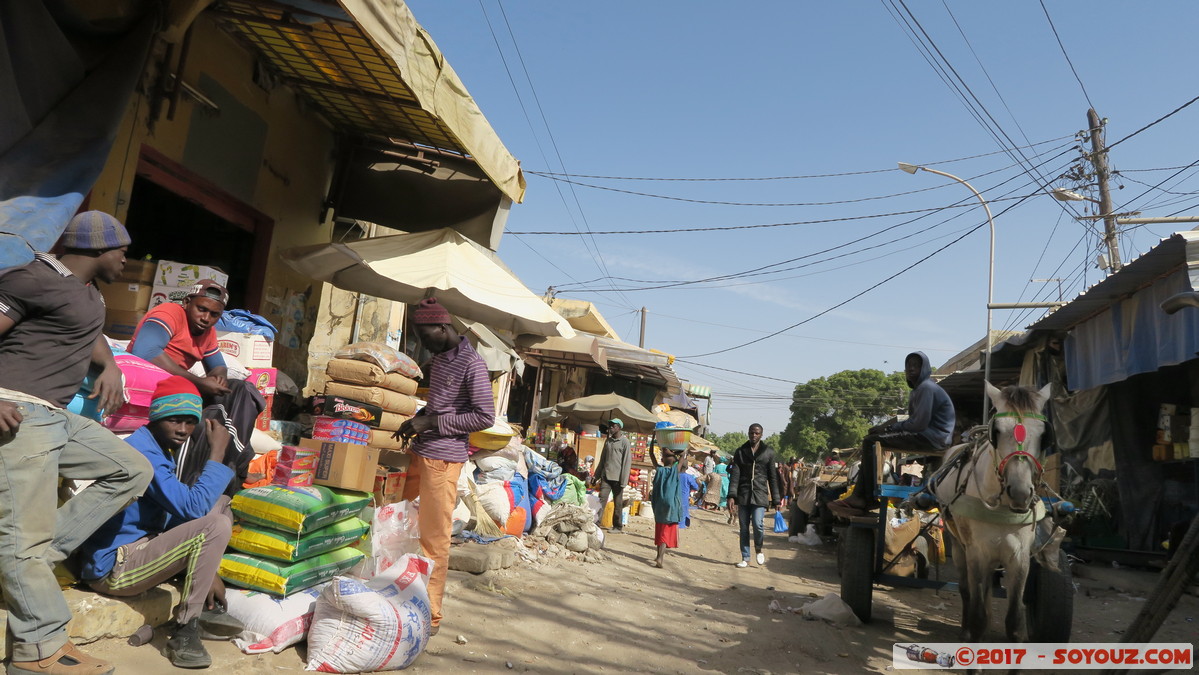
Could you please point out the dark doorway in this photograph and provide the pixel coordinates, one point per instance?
(165, 226)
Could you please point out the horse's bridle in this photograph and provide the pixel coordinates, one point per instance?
(1020, 434)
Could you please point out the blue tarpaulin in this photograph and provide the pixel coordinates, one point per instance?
(59, 115)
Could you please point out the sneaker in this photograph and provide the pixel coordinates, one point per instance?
(68, 660)
(217, 624)
(185, 650)
(743, 563)
(761, 558)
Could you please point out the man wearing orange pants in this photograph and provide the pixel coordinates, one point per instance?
(459, 402)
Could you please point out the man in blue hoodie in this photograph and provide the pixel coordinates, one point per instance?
(174, 528)
(929, 427)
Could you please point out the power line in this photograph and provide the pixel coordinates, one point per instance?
(589, 243)
(859, 294)
(798, 177)
(761, 270)
(1068, 61)
(1154, 122)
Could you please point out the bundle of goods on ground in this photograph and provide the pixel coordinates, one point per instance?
(380, 382)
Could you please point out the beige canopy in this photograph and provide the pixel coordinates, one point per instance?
(469, 280)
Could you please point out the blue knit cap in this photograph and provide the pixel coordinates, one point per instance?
(95, 231)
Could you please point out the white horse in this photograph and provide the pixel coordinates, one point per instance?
(987, 495)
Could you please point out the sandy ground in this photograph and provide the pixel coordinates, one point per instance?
(698, 614)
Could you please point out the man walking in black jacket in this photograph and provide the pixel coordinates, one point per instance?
(753, 486)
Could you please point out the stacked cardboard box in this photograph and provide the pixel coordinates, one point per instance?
(172, 280)
(127, 299)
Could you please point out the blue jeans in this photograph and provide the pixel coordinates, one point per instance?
(745, 513)
(36, 533)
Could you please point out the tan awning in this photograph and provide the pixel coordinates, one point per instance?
(580, 350)
(373, 70)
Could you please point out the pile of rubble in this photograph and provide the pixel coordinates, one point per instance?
(567, 532)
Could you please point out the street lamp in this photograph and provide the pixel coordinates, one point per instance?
(912, 169)
(1064, 195)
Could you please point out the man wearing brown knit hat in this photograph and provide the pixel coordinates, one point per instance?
(51, 317)
(459, 402)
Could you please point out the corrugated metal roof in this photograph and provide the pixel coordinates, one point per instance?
(1167, 256)
(326, 54)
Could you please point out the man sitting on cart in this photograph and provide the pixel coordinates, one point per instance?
(928, 428)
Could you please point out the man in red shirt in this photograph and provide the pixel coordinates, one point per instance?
(174, 337)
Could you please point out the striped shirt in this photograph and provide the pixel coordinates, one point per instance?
(460, 396)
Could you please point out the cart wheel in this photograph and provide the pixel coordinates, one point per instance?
(857, 570)
(1049, 602)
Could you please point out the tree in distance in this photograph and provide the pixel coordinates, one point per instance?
(838, 410)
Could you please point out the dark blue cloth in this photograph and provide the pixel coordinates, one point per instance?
(665, 499)
(930, 412)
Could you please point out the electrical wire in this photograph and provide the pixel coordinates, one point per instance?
(799, 177)
(1068, 61)
(858, 294)
(759, 271)
(1154, 122)
(589, 243)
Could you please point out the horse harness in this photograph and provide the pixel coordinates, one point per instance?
(971, 455)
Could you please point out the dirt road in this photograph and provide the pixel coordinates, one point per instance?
(698, 614)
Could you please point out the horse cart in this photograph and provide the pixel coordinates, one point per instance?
(985, 491)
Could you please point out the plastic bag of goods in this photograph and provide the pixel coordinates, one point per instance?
(278, 578)
(295, 466)
(381, 624)
(297, 510)
(394, 534)
(272, 624)
(340, 431)
(268, 543)
(381, 355)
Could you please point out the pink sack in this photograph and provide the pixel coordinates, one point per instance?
(141, 377)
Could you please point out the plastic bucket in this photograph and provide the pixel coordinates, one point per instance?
(647, 510)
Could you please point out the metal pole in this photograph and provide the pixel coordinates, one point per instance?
(641, 341)
(1165, 219)
(990, 281)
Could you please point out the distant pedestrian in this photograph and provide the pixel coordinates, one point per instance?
(612, 474)
(668, 500)
(753, 487)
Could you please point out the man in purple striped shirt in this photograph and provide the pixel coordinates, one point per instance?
(459, 402)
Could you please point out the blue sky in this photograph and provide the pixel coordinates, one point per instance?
(706, 90)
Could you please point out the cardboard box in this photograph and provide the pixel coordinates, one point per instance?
(160, 294)
(263, 421)
(344, 465)
(394, 459)
(348, 409)
(139, 272)
(122, 295)
(171, 273)
(389, 486)
(120, 324)
(264, 379)
(252, 351)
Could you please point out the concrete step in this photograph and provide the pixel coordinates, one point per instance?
(96, 617)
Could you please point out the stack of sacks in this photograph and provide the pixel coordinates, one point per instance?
(340, 431)
(374, 373)
(292, 538)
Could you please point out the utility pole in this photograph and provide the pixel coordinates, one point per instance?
(1099, 160)
(641, 342)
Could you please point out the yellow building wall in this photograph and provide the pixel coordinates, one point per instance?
(291, 183)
